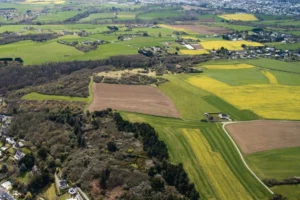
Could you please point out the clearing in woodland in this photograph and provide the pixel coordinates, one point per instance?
(133, 98)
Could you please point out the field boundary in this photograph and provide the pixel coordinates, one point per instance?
(241, 155)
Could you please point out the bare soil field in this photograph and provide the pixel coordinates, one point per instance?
(133, 98)
(201, 29)
(197, 46)
(265, 135)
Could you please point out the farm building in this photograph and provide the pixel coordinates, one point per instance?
(217, 117)
(188, 46)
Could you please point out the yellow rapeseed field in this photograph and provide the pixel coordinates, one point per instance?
(272, 79)
(271, 101)
(174, 28)
(190, 37)
(236, 66)
(239, 17)
(230, 45)
(224, 182)
(194, 52)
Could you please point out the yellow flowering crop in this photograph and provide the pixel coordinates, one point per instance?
(236, 66)
(193, 52)
(271, 101)
(272, 79)
(239, 17)
(230, 45)
(215, 167)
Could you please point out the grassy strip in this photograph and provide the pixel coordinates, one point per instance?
(91, 96)
(43, 97)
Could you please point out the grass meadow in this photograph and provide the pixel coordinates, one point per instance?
(160, 14)
(207, 155)
(43, 97)
(279, 163)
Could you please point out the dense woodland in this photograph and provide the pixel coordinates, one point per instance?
(98, 152)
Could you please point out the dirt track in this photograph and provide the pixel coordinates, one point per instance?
(265, 135)
(133, 98)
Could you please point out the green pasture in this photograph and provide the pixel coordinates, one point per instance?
(37, 53)
(264, 63)
(56, 16)
(292, 192)
(160, 14)
(275, 65)
(278, 164)
(233, 26)
(180, 151)
(285, 78)
(238, 76)
(43, 97)
(51, 51)
(282, 46)
(96, 16)
(280, 22)
(216, 18)
(126, 15)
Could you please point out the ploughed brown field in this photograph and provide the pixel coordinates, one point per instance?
(265, 135)
(133, 98)
(202, 29)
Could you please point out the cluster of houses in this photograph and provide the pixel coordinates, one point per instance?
(260, 52)
(261, 36)
(269, 7)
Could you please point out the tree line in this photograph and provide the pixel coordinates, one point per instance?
(34, 37)
(173, 174)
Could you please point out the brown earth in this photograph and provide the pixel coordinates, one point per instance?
(197, 46)
(133, 98)
(202, 29)
(265, 135)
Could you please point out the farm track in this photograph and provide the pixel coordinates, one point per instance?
(241, 156)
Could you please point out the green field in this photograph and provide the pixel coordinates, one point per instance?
(275, 65)
(286, 78)
(51, 51)
(264, 63)
(279, 163)
(209, 179)
(160, 14)
(238, 76)
(282, 46)
(43, 97)
(56, 16)
(96, 16)
(292, 192)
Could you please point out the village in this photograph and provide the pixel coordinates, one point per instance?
(11, 153)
